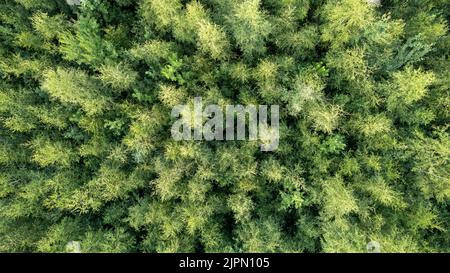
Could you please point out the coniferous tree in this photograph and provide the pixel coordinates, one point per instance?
(87, 161)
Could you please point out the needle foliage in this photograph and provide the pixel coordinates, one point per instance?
(86, 153)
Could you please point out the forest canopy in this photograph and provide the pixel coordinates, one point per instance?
(87, 158)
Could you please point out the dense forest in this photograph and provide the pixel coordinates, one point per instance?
(87, 160)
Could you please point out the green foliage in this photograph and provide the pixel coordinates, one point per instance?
(87, 158)
(408, 86)
(160, 13)
(345, 20)
(212, 40)
(338, 201)
(249, 26)
(86, 45)
(47, 152)
(50, 27)
(75, 87)
(118, 76)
